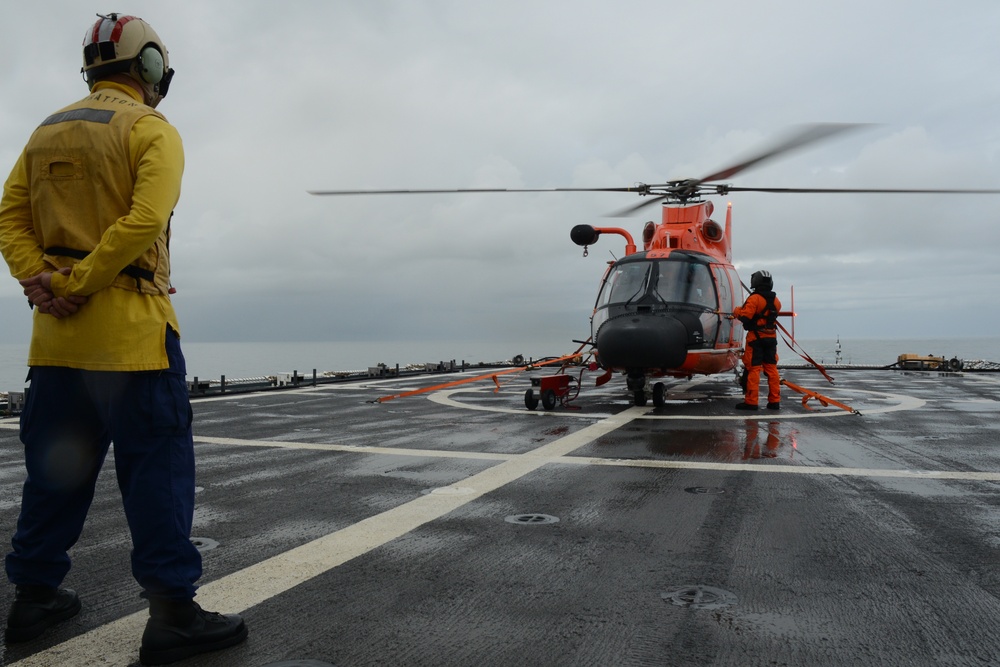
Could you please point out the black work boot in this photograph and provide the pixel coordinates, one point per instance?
(36, 608)
(179, 629)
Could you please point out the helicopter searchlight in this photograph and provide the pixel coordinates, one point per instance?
(587, 235)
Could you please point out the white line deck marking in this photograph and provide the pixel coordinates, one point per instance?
(357, 449)
(761, 467)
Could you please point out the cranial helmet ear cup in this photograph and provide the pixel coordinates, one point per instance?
(151, 65)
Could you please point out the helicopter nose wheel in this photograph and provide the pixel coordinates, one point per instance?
(638, 384)
(659, 395)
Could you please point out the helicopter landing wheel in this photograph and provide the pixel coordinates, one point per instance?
(639, 398)
(548, 399)
(659, 395)
(530, 400)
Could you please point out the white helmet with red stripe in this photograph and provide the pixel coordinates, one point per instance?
(129, 45)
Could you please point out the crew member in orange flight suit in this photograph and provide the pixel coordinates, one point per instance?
(759, 316)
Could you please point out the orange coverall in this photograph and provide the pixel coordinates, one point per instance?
(762, 354)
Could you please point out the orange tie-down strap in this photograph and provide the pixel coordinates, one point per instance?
(478, 378)
(790, 342)
(823, 400)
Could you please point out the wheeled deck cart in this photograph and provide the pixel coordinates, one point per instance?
(550, 390)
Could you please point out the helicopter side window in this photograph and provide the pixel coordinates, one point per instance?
(725, 303)
(701, 294)
(734, 280)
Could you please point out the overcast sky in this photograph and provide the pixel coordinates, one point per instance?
(275, 99)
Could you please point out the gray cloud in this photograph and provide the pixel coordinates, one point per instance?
(336, 95)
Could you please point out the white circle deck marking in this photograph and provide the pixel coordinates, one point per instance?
(902, 402)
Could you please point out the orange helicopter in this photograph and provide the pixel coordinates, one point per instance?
(664, 311)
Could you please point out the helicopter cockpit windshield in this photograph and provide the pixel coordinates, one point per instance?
(625, 283)
(670, 282)
(680, 285)
(685, 282)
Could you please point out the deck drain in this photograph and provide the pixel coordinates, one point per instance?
(531, 519)
(700, 597)
(706, 490)
(203, 544)
(449, 491)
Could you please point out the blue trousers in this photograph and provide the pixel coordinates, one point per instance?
(70, 418)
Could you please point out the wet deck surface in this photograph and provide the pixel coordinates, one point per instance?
(457, 528)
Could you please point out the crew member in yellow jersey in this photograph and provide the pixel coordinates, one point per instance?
(85, 228)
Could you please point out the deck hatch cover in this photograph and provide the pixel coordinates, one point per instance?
(531, 519)
(700, 597)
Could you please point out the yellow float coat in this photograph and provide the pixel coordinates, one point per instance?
(104, 173)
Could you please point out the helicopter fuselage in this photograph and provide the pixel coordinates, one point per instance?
(665, 313)
(664, 310)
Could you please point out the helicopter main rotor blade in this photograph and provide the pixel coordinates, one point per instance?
(629, 210)
(904, 191)
(806, 135)
(638, 188)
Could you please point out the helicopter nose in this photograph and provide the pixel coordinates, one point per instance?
(642, 341)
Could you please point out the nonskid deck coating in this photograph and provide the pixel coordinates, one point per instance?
(363, 534)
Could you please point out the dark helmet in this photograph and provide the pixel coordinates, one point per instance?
(761, 281)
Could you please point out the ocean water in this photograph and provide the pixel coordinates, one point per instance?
(244, 360)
